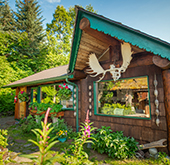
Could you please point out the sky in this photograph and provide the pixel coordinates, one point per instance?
(149, 16)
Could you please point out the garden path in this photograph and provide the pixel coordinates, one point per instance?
(22, 146)
(7, 121)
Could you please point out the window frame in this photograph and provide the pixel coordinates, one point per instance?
(32, 88)
(96, 104)
(39, 94)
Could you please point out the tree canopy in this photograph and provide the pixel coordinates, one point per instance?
(26, 48)
(59, 35)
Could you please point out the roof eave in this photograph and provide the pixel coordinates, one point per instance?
(39, 81)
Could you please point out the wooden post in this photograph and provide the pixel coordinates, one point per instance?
(166, 83)
(22, 105)
(164, 64)
(84, 99)
(17, 105)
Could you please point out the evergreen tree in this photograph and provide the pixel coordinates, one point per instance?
(30, 30)
(6, 16)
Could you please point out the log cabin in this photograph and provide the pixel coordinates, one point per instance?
(120, 74)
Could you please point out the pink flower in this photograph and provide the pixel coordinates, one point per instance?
(41, 136)
(22, 92)
(59, 86)
(66, 87)
(87, 116)
(46, 116)
(46, 145)
(40, 142)
(46, 142)
(64, 84)
(48, 137)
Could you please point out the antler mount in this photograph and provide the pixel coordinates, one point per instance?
(96, 69)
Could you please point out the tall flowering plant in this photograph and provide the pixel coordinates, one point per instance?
(83, 137)
(64, 92)
(23, 96)
(44, 142)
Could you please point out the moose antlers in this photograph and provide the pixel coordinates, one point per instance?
(96, 69)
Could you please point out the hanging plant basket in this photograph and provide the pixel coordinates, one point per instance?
(54, 114)
(34, 112)
(23, 97)
(64, 92)
(57, 114)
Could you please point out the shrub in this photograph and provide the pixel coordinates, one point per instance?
(114, 143)
(7, 105)
(29, 123)
(3, 138)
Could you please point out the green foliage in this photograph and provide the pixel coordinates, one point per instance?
(6, 44)
(162, 159)
(62, 125)
(114, 143)
(109, 109)
(59, 35)
(64, 92)
(62, 134)
(24, 53)
(56, 55)
(41, 107)
(61, 28)
(44, 143)
(29, 123)
(7, 105)
(6, 16)
(3, 138)
(79, 155)
(28, 20)
(48, 94)
(8, 74)
(23, 96)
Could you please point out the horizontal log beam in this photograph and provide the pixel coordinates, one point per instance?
(163, 63)
(85, 26)
(136, 61)
(141, 60)
(79, 74)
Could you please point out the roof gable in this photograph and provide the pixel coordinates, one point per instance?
(118, 31)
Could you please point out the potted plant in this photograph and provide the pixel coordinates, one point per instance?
(40, 108)
(23, 96)
(62, 135)
(56, 110)
(64, 92)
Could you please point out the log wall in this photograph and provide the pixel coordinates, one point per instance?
(144, 131)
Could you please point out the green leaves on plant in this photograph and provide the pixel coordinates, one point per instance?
(114, 143)
(3, 138)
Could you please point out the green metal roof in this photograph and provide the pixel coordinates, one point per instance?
(119, 31)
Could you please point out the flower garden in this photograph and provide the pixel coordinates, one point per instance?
(42, 144)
